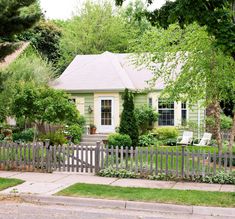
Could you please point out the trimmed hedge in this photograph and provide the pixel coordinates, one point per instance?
(118, 139)
(164, 133)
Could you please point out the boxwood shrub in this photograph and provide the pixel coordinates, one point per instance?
(164, 133)
(118, 139)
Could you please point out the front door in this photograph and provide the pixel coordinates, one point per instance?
(106, 115)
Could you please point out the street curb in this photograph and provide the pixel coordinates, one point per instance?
(128, 205)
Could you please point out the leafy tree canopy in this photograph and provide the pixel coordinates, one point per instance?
(217, 15)
(134, 14)
(42, 104)
(190, 66)
(45, 37)
(29, 67)
(95, 29)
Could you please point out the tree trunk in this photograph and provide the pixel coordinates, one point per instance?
(232, 135)
(217, 125)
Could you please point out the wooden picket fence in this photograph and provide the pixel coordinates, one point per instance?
(91, 159)
(154, 161)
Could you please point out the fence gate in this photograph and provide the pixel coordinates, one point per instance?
(46, 158)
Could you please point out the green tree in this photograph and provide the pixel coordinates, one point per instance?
(134, 15)
(29, 67)
(204, 73)
(45, 37)
(128, 123)
(16, 16)
(41, 104)
(218, 16)
(93, 30)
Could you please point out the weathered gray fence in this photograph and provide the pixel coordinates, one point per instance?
(180, 163)
(143, 160)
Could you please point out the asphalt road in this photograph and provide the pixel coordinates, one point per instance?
(17, 209)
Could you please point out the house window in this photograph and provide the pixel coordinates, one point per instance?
(166, 113)
(150, 105)
(72, 100)
(150, 101)
(183, 113)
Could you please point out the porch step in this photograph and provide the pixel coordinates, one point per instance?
(95, 136)
(88, 143)
(91, 140)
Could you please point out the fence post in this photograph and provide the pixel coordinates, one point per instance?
(48, 160)
(97, 157)
(182, 161)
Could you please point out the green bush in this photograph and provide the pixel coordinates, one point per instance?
(164, 133)
(226, 122)
(118, 139)
(26, 135)
(122, 173)
(220, 178)
(56, 138)
(145, 116)
(75, 131)
(147, 140)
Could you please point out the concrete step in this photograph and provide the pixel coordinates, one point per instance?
(96, 136)
(92, 139)
(88, 142)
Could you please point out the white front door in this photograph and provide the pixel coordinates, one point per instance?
(106, 115)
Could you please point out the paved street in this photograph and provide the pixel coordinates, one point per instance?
(21, 209)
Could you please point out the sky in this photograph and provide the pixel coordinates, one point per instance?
(63, 9)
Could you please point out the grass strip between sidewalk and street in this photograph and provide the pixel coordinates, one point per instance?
(6, 183)
(172, 196)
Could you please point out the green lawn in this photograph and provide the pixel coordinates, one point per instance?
(220, 199)
(6, 183)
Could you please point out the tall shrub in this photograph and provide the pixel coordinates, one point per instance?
(145, 117)
(128, 124)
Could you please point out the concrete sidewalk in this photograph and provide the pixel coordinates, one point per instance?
(50, 183)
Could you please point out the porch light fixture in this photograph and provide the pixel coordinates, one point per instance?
(90, 110)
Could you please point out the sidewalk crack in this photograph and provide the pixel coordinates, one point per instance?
(220, 187)
(113, 181)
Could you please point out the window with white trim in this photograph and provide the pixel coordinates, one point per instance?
(166, 113)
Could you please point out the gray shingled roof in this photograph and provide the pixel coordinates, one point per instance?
(104, 72)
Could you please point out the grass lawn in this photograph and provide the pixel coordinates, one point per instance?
(219, 199)
(6, 183)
